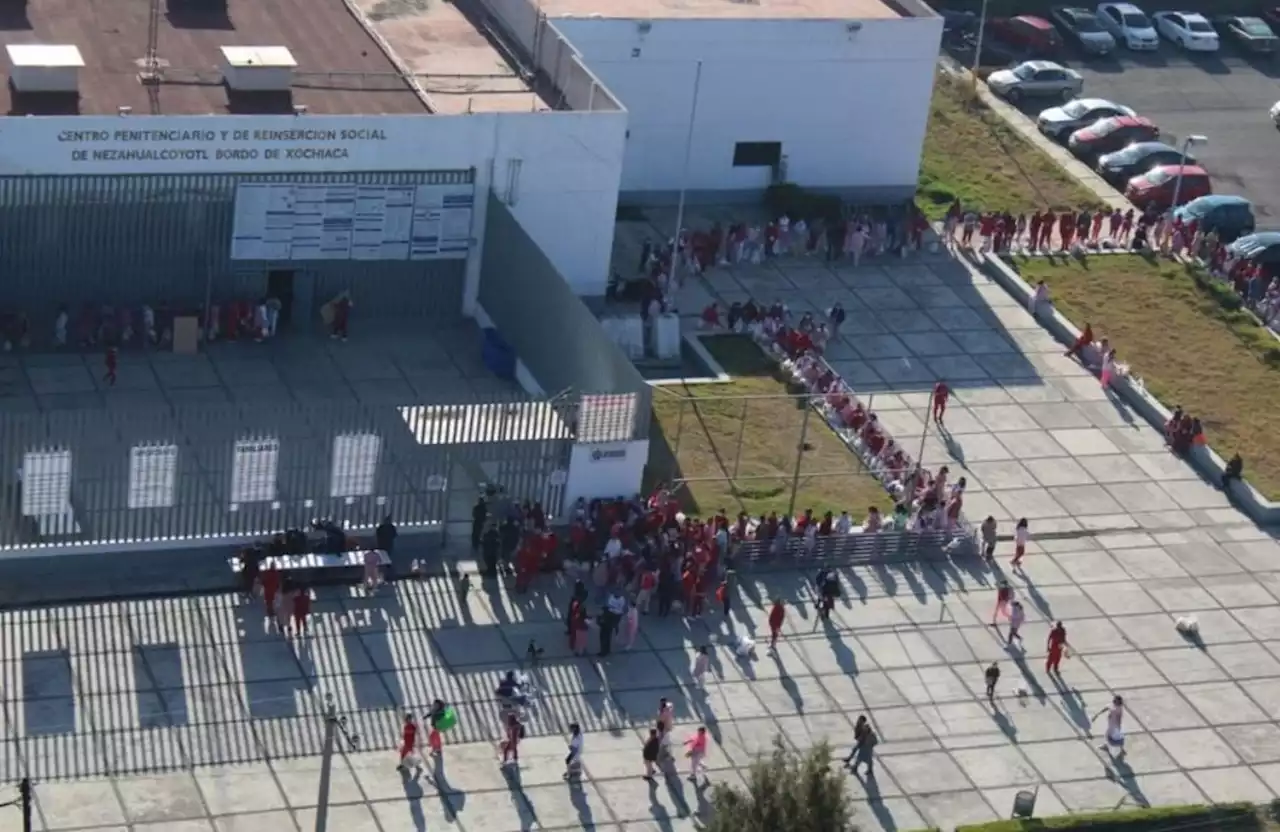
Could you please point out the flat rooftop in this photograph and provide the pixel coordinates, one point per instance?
(722, 9)
(463, 68)
(341, 68)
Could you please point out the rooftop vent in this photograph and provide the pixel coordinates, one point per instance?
(258, 68)
(39, 67)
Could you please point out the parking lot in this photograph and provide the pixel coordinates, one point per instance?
(1224, 97)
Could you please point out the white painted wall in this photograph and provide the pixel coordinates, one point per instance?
(849, 108)
(558, 171)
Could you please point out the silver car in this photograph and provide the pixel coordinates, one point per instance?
(1038, 79)
(1060, 122)
(1082, 27)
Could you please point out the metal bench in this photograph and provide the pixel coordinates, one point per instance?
(316, 564)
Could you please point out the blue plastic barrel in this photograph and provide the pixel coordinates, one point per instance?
(498, 356)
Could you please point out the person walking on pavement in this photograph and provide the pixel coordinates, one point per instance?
(1017, 615)
(650, 752)
(409, 744)
(988, 531)
(1056, 647)
(1004, 597)
(434, 739)
(777, 615)
(993, 678)
(860, 729)
(112, 361)
(573, 760)
(863, 752)
(696, 751)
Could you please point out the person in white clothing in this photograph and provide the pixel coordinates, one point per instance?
(573, 760)
(1017, 615)
(701, 664)
(1039, 297)
(1115, 728)
(844, 523)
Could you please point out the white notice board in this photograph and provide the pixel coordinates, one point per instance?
(253, 470)
(46, 483)
(153, 476)
(355, 464)
(283, 221)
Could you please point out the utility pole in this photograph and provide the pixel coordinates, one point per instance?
(332, 725)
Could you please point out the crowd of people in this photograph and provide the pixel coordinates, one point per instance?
(856, 234)
(1250, 280)
(1049, 231)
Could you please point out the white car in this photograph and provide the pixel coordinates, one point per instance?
(1275, 114)
(1187, 29)
(1129, 25)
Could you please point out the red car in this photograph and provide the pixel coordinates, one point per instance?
(1155, 187)
(1030, 34)
(1111, 134)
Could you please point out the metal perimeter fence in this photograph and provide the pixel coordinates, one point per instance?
(762, 453)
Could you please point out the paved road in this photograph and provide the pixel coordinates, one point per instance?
(185, 714)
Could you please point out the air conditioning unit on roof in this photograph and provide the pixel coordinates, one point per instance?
(43, 67)
(258, 68)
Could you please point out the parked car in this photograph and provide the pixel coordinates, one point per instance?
(1136, 159)
(1110, 134)
(1081, 27)
(1231, 216)
(1036, 79)
(1188, 30)
(1129, 25)
(1263, 247)
(1251, 34)
(1060, 122)
(1034, 36)
(1157, 187)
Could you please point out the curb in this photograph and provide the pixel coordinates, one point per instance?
(1203, 458)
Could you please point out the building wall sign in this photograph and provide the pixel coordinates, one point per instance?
(135, 144)
(295, 144)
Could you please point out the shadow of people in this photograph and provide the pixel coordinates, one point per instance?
(452, 800)
(843, 653)
(1120, 771)
(1072, 704)
(788, 683)
(581, 805)
(413, 793)
(875, 803)
(1033, 685)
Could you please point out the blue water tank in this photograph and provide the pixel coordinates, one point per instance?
(498, 356)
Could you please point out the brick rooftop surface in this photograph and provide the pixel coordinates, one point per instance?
(341, 69)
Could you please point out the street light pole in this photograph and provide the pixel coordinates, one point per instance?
(1182, 163)
(977, 50)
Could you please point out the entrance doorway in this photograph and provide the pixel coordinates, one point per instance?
(280, 287)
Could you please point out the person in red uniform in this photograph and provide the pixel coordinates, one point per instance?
(301, 609)
(1066, 229)
(1004, 597)
(341, 317)
(1046, 229)
(941, 392)
(1085, 339)
(270, 587)
(777, 615)
(112, 361)
(1056, 646)
(1033, 229)
(408, 740)
(526, 563)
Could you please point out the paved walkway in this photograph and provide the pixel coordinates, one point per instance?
(205, 721)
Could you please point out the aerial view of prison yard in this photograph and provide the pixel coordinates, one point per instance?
(508, 416)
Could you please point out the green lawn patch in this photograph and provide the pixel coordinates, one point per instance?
(1188, 339)
(736, 444)
(972, 153)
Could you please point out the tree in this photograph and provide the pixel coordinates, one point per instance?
(786, 791)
